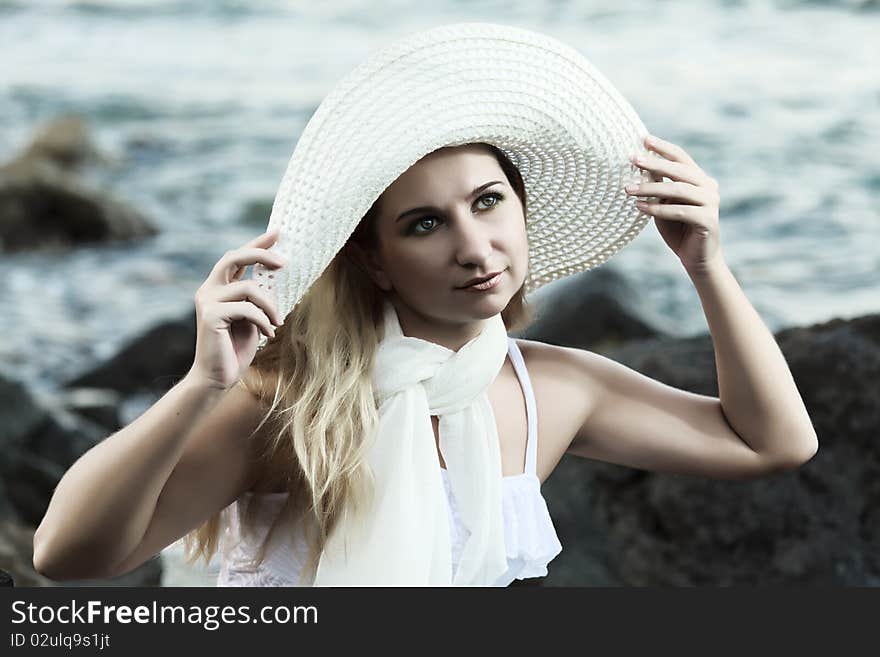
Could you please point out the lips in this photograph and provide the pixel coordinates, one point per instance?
(481, 279)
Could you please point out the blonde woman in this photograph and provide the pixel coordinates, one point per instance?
(356, 413)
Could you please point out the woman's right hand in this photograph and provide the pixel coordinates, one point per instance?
(231, 313)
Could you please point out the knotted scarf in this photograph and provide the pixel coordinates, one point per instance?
(405, 540)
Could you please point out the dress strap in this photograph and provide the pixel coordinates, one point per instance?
(525, 382)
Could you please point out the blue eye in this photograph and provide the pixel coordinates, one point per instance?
(497, 196)
(412, 227)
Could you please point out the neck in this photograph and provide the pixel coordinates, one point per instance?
(450, 334)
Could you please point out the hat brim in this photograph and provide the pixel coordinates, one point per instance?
(556, 117)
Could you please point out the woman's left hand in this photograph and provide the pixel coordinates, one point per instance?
(687, 212)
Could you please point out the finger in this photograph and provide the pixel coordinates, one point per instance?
(688, 214)
(269, 237)
(667, 149)
(233, 310)
(249, 291)
(669, 191)
(265, 240)
(657, 167)
(233, 263)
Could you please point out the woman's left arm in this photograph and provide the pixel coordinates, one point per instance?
(758, 395)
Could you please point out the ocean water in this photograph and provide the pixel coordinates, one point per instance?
(199, 104)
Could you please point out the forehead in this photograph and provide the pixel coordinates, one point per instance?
(452, 170)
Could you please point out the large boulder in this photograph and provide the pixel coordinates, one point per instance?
(818, 524)
(151, 362)
(44, 205)
(591, 310)
(39, 442)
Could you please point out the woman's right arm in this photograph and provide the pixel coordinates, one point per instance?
(187, 457)
(102, 506)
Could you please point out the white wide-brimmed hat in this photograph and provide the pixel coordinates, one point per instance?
(559, 120)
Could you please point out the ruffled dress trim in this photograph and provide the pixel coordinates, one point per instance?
(529, 534)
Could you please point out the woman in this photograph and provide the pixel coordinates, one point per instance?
(386, 340)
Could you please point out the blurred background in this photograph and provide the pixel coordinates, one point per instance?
(140, 140)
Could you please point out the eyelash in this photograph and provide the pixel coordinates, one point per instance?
(498, 198)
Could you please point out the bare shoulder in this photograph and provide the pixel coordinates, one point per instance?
(561, 367)
(557, 357)
(565, 393)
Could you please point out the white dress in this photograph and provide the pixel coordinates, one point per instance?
(529, 534)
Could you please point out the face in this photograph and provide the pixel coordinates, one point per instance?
(435, 233)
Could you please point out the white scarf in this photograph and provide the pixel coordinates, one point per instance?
(405, 541)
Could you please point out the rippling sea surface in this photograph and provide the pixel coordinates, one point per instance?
(200, 104)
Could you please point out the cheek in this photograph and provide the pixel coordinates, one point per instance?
(414, 267)
(519, 242)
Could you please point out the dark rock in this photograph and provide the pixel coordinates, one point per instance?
(817, 524)
(7, 510)
(19, 413)
(588, 310)
(44, 206)
(39, 443)
(30, 481)
(16, 553)
(54, 212)
(154, 361)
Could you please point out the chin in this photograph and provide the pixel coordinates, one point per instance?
(489, 306)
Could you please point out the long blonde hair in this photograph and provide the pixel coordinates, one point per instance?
(313, 379)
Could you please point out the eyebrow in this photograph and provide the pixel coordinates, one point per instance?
(425, 208)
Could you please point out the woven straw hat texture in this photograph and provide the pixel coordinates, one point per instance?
(559, 120)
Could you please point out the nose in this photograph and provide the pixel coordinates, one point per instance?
(473, 241)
